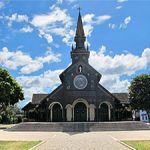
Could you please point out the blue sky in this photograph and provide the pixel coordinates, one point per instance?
(36, 36)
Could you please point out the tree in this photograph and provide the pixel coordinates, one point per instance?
(10, 91)
(139, 92)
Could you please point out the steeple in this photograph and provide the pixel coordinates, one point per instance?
(79, 31)
(79, 52)
(80, 36)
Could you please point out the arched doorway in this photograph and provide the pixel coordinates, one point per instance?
(104, 112)
(56, 113)
(80, 112)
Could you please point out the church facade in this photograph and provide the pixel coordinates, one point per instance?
(80, 97)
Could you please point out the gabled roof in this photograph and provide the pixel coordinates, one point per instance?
(122, 97)
(100, 86)
(29, 106)
(52, 93)
(72, 65)
(57, 89)
(37, 98)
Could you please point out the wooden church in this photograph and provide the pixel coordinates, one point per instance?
(80, 97)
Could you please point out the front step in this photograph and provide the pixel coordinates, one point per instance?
(80, 126)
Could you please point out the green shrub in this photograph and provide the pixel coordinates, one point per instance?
(8, 115)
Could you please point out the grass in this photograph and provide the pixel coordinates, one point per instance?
(5, 126)
(139, 145)
(17, 145)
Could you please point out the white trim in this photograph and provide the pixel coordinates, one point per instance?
(68, 113)
(92, 108)
(106, 102)
(53, 103)
(68, 105)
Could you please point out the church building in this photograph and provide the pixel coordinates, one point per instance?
(80, 97)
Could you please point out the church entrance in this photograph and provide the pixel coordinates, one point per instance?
(80, 112)
(56, 113)
(103, 112)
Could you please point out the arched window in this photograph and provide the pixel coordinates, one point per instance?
(104, 112)
(80, 69)
(56, 113)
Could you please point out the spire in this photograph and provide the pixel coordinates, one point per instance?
(79, 31)
(80, 37)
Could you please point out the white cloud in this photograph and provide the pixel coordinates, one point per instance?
(114, 84)
(118, 7)
(90, 20)
(125, 23)
(88, 24)
(122, 25)
(16, 18)
(13, 60)
(88, 29)
(19, 60)
(48, 37)
(3, 3)
(127, 20)
(112, 25)
(102, 50)
(39, 84)
(119, 64)
(113, 67)
(57, 22)
(121, 1)
(56, 15)
(26, 29)
(102, 19)
(71, 1)
(59, 1)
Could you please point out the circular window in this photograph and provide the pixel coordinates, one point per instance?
(80, 82)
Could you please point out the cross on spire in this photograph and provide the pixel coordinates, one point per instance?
(79, 8)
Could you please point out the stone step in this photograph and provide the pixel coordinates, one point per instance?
(80, 126)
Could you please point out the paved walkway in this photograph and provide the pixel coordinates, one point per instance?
(77, 141)
(81, 141)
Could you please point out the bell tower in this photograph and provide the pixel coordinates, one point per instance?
(80, 53)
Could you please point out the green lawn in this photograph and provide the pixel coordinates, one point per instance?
(139, 145)
(17, 145)
(5, 126)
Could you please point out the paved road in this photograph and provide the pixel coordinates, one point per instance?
(77, 141)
